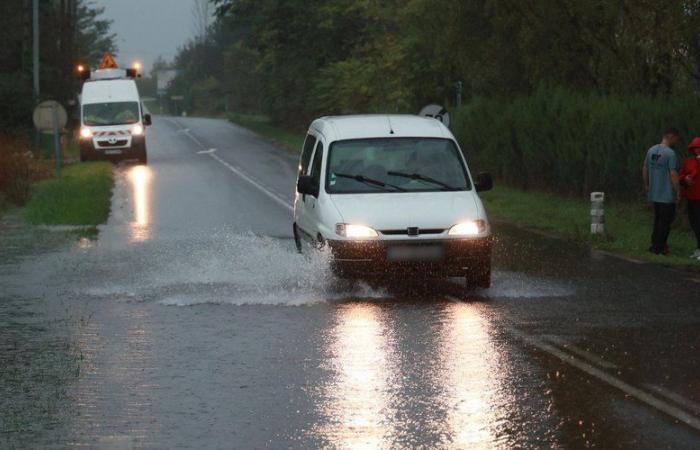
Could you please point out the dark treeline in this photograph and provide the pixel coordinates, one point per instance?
(560, 95)
(295, 59)
(71, 31)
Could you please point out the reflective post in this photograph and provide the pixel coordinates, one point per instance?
(597, 213)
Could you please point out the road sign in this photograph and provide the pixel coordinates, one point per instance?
(108, 62)
(436, 112)
(50, 115)
(164, 77)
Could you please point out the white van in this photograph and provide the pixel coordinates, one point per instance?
(112, 118)
(392, 194)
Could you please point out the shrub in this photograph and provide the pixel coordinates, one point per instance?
(18, 170)
(570, 143)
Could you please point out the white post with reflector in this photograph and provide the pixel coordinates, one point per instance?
(597, 212)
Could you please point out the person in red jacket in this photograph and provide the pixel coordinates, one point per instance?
(690, 181)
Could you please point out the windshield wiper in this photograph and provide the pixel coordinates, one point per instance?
(367, 180)
(417, 176)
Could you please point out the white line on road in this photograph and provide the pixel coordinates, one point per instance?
(670, 395)
(279, 200)
(599, 374)
(272, 195)
(628, 389)
(590, 357)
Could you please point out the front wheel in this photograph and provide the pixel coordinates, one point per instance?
(481, 276)
(297, 238)
(143, 156)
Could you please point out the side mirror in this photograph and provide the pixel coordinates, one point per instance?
(307, 186)
(484, 182)
(147, 121)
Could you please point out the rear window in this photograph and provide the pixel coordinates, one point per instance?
(114, 113)
(395, 165)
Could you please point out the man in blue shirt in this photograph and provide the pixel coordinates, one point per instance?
(660, 173)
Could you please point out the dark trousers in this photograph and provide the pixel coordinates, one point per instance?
(664, 215)
(694, 217)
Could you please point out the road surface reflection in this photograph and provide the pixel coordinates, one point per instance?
(359, 394)
(140, 179)
(472, 373)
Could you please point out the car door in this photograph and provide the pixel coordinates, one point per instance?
(300, 210)
(311, 202)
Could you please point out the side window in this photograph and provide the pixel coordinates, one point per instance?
(316, 166)
(306, 153)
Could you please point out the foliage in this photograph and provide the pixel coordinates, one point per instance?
(626, 69)
(18, 170)
(570, 143)
(291, 141)
(317, 57)
(71, 31)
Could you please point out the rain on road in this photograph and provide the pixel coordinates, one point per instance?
(190, 321)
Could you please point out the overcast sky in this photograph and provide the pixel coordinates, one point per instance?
(148, 28)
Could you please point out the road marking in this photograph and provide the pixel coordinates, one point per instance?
(279, 200)
(272, 195)
(676, 398)
(599, 374)
(590, 357)
(628, 389)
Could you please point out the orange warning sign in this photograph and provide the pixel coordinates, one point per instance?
(108, 62)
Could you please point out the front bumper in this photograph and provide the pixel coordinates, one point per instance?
(458, 257)
(134, 149)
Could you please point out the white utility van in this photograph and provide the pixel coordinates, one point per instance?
(392, 194)
(112, 118)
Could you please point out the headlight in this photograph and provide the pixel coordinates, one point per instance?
(85, 133)
(355, 231)
(137, 130)
(472, 228)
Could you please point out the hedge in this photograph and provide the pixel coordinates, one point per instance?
(569, 143)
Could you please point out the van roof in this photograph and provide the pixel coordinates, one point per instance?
(109, 91)
(335, 128)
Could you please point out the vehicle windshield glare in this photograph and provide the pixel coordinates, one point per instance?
(433, 165)
(115, 113)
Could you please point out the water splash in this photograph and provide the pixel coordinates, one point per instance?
(519, 285)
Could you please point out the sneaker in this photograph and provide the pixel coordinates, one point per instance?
(696, 254)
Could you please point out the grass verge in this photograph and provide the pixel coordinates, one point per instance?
(291, 141)
(628, 225)
(80, 197)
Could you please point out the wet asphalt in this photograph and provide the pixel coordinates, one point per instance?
(189, 321)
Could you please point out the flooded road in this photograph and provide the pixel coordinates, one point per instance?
(190, 321)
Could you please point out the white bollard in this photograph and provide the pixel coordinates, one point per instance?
(597, 213)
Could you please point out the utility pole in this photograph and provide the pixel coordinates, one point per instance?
(35, 55)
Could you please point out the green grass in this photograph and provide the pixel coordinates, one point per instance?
(291, 141)
(628, 225)
(80, 197)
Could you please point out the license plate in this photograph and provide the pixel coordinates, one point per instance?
(415, 253)
(113, 152)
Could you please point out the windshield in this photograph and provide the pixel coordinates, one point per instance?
(395, 165)
(117, 113)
